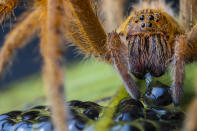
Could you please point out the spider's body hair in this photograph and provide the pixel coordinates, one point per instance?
(167, 24)
(87, 34)
(112, 13)
(45, 17)
(51, 50)
(18, 38)
(150, 35)
(162, 37)
(149, 53)
(154, 4)
(187, 14)
(7, 8)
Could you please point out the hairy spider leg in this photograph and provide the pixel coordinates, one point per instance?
(84, 28)
(191, 117)
(178, 70)
(7, 8)
(118, 52)
(18, 38)
(186, 52)
(52, 50)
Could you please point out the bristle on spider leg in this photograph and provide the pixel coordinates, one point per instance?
(192, 39)
(118, 51)
(6, 8)
(18, 38)
(83, 27)
(177, 86)
(191, 118)
(178, 69)
(51, 51)
(53, 82)
(112, 11)
(188, 13)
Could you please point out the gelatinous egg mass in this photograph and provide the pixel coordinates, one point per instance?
(158, 95)
(130, 115)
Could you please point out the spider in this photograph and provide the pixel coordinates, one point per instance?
(146, 43)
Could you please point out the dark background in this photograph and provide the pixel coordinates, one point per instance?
(28, 59)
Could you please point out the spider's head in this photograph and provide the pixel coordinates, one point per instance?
(146, 21)
(147, 33)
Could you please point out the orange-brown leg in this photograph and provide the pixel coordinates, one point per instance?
(18, 38)
(51, 50)
(185, 52)
(191, 118)
(83, 27)
(178, 69)
(112, 13)
(118, 52)
(6, 8)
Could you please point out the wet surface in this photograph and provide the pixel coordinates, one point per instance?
(153, 112)
(158, 95)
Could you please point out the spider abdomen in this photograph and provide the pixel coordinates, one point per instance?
(148, 54)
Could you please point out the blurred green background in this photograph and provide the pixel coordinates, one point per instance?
(85, 80)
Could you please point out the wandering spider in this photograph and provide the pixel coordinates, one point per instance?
(147, 42)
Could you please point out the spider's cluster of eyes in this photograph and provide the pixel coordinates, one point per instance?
(146, 22)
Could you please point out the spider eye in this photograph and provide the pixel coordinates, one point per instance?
(149, 24)
(142, 17)
(151, 17)
(143, 25)
(135, 18)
